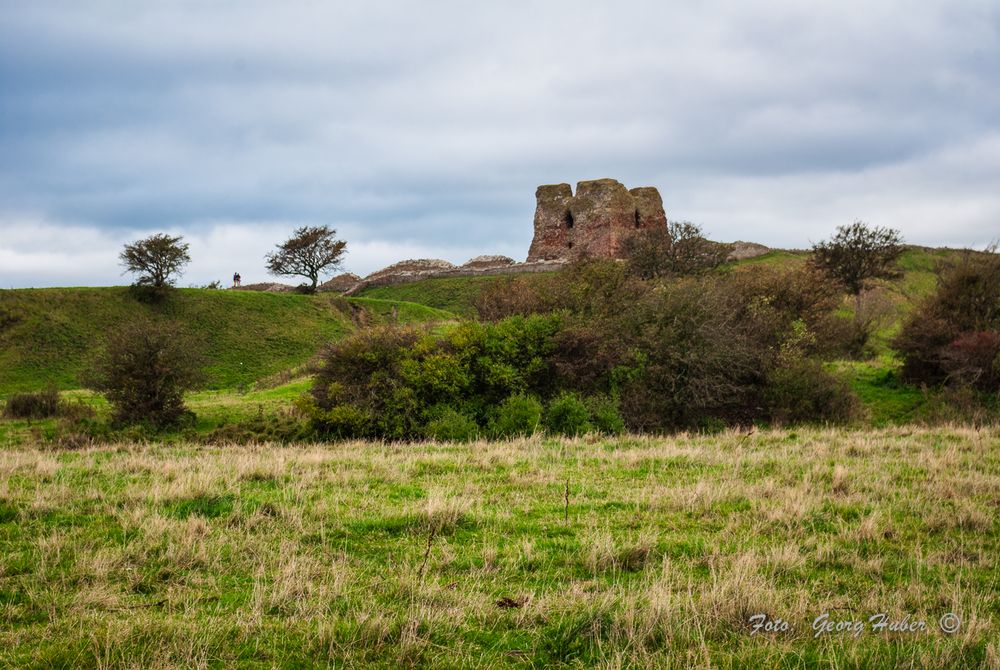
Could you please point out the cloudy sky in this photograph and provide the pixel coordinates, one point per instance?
(421, 129)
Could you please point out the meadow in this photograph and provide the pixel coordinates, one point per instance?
(631, 552)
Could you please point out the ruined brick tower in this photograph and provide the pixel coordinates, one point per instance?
(596, 221)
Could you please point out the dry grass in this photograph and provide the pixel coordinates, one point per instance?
(379, 555)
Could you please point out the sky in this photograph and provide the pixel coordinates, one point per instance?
(421, 129)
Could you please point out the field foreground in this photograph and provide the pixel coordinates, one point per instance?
(628, 552)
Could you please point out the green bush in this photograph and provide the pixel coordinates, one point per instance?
(604, 415)
(144, 370)
(567, 415)
(517, 416)
(450, 425)
(389, 381)
(282, 428)
(38, 405)
(338, 422)
(709, 350)
(801, 391)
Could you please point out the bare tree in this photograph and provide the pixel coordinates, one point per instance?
(156, 259)
(310, 252)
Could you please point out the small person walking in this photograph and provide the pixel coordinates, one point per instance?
(236, 279)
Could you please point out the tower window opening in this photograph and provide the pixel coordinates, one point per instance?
(569, 219)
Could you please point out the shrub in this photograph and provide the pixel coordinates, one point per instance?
(684, 353)
(339, 422)
(958, 404)
(144, 370)
(517, 416)
(694, 357)
(771, 300)
(567, 415)
(678, 248)
(38, 405)
(284, 428)
(391, 381)
(604, 415)
(450, 425)
(973, 360)
(799, 390)
(596, 288)
(939, 337)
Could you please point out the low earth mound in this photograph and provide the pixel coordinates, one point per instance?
(48, 336)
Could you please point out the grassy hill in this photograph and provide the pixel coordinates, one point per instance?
(455, 294)
(48, 335)
(917, 264)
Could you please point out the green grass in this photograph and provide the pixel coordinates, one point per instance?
(401, 311)
(635, 552)
(774, 258)
(886, 398)
(454, 294)
(48, 335)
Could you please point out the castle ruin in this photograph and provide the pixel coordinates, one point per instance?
(595, 222)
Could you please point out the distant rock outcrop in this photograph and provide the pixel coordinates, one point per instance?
(743, 250)
(411, 267)
(340, 283)
(488, 262)
(267, 287)
(595, 222)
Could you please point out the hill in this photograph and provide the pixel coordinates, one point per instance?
(917, 266)
(48, 335)
(455, 294)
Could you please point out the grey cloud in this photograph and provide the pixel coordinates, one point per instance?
(428, 126)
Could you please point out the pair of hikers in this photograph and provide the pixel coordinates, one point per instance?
(236, 279)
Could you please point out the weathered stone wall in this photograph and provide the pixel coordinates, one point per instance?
(595, 222)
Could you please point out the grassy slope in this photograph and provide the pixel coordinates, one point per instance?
(246, 335)
(47, 335)
(455, 294)
(252, 335)
(400, 310)
(383, 556)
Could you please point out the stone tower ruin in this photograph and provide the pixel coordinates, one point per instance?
(594, 222)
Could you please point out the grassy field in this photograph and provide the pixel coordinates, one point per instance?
(624, 553)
